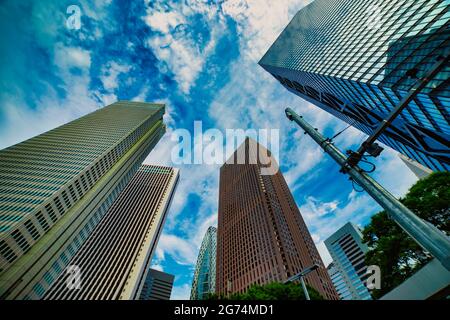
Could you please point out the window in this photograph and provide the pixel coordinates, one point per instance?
(7, 252)
(32, 229)
(42, 221)
(20, 240)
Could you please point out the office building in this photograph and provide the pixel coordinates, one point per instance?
(419, 170)
(115, 259)
(55, 188)
(357, 59)
(338, 282)
(261, 235)
(204, 282)
(348, 253)
(157, 286)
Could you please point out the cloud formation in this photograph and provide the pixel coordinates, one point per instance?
(199, 58)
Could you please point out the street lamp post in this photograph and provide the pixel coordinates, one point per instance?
(425, 234)
(305, 290)
(300, 276)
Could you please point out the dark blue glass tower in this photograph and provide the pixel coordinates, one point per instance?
(357, 59)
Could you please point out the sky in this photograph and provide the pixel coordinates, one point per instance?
(200, 58)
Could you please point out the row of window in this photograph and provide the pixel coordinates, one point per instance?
(22, 239)
(364, 117)
(82, 185)
(61, 263)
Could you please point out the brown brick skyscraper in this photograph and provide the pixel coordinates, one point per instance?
(262, 237)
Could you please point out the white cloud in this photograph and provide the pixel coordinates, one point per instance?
(66, 57)
(110, 73)
(96, 10)
(180, 249)
(142, 96)
(250, 99)
(183, 60)
(175, 47)
(157, 267)
(260, 21)
(393, 174)
(105, 98)
(182, 292)
(313, 206)
(43, 27)
(23, 122)
(310, 157)
(161, 154)
(184, 248)
(262, 106)
(164, 21)
(182, 235)
(327, 217)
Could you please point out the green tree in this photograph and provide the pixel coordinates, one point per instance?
(272, 291)
(397, 254)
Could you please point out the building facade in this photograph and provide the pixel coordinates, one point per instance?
(204, 282)
(261, 235)
(420, 171)
(56, 187)
(157, 286)
(338, 282)
(115, 259)
(348, 253)
(357, 59)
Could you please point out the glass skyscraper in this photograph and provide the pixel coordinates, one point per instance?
(348, 271)
(204, 281)
(357, 59)
(57, 186)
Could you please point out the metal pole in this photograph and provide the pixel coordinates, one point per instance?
(301, 275)
(426, 235)
(305, 290)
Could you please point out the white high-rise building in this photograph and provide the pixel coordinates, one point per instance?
(348, 253)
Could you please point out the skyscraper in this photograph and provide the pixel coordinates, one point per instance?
(55, 188)
(348, 253)
(357, 59)
(261, 236)
(338, 282)
(204, 281)
(115, 258)
(157, 286)
(419, 170)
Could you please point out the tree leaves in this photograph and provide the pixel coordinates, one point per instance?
(272, 291)
(397, 254)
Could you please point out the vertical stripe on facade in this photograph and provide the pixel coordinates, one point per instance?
(109, 260)
(261, 235)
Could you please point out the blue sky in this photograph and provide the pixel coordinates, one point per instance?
(200, 58)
